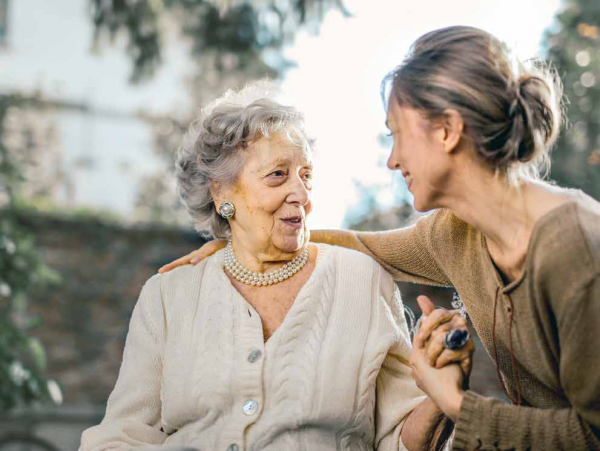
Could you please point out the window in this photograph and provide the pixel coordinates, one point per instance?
(3, 21)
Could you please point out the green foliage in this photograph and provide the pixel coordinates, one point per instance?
(237, 32)
(574, 47)
(22, 363)
(22, 358)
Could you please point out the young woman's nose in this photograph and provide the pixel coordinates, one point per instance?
(393, 162)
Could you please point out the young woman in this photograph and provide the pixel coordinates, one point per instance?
(472, 133)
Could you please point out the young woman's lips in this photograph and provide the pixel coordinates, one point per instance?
(293, 221)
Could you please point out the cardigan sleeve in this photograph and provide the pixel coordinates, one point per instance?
(408, 253)
(397, 392)
(133, 412)
(488, 423)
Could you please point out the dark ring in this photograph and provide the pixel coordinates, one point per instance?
(455, 339)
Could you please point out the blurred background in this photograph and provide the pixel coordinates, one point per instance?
(94, 98)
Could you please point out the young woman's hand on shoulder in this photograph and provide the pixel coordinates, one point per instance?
(196, 256)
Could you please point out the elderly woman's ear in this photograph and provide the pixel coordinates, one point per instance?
(216, 192)
(223, 205)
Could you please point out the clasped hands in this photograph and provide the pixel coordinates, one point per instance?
(441, 373)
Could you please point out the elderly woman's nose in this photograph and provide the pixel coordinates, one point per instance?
(299, 192)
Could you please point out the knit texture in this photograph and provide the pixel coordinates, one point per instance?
(554, 329)
(333, 376)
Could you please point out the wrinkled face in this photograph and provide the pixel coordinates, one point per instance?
(419, 153)
(272, 197)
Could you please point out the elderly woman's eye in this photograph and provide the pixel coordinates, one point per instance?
(278, 173)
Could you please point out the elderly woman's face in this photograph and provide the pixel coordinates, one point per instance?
(272, 197)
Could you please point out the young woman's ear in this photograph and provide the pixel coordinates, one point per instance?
(453, 126)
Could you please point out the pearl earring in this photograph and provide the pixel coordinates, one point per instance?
(226, 210)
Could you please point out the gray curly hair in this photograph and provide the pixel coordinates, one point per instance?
(212, 151)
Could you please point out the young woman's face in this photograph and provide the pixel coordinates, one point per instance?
(419, 153)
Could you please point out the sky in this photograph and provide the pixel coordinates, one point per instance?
(336, 82)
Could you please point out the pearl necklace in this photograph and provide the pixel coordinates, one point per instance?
(258, 279)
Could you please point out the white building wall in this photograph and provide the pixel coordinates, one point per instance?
(106, 149)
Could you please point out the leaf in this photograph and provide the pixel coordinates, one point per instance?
(38, 353)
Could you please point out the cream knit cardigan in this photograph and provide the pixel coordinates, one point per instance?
(334, 375)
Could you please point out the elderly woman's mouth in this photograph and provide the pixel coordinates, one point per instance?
(293, 221)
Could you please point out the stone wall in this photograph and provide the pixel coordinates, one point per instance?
(103, 266)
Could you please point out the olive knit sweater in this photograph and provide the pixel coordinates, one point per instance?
(550, 317)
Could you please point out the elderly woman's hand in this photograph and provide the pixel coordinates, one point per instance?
(443, 385)
(196, 256)
(431, 333)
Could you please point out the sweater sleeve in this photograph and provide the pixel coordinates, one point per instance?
(486, 423)
(397, 392)
(133, 412)
(408, 253)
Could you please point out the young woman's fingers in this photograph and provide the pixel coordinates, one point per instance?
(434, 348)
(437, 335)
(200, 254)
(448, 356)
(455, 323)
(176, 263)
(196, 256)
(432, 322)
(207, 250)
(461, 356)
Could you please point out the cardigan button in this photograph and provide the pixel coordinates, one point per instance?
(233, 447)
(254, 355)
(250, 407)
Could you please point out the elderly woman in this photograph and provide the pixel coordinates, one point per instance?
(271, 343)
